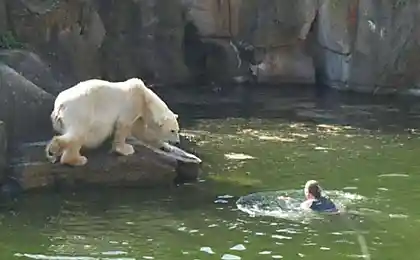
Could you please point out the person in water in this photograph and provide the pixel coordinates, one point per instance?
(315, 200)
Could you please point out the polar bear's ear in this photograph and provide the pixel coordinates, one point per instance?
(176, 116)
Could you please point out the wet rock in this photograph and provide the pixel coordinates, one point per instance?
(187, 172)
(143, 169)
(24, 107)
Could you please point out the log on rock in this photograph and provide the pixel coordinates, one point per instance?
(143, 169)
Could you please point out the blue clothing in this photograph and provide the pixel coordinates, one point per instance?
(323, 204)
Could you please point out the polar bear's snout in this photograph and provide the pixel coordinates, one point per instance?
(174, 137)
(169, 129)
(171, 136)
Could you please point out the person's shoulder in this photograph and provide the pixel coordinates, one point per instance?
(330, 203)
(327, 199)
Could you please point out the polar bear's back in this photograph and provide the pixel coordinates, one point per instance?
(95, 92)
(157, 105)
(91, 108)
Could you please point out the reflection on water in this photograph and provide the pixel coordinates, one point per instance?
(242, 156)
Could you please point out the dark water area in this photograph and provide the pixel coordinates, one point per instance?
(300, 103)
(250, 140)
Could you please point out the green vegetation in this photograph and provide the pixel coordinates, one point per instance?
(8, 41)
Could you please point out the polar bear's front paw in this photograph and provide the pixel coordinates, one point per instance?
(124, 149)
(77, 161)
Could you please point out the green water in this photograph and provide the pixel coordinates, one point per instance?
(188, 222)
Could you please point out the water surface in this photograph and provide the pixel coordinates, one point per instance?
(373, 155)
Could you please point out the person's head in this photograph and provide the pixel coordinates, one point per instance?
(312, 190)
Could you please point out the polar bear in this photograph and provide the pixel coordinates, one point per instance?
(91, 111)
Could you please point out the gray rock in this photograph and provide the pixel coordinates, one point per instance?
(69, 34)
(286, 64)
(81, 43)
(274, 26)
(212, 18)
(223, 61)
(24, 107)
(275, 23)
(144, 38)
(369, 46)
(143, 169)
(30, 66)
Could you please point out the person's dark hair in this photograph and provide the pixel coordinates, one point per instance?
(315, 191)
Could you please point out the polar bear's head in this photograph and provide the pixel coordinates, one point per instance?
(169, 128)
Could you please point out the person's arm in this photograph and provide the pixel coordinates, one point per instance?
(306, 205)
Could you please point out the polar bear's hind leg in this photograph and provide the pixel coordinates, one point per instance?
(53, 150)
(68, 147)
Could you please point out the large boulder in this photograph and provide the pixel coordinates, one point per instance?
(24, 107)
(34, 69)
(142, 169)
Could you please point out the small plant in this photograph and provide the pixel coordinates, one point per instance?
(8, 41)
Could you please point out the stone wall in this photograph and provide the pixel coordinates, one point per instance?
(369, 46)
(350, 44)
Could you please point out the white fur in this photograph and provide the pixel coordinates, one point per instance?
(89, 112)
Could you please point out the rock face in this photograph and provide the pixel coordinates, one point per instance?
(367, 46)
